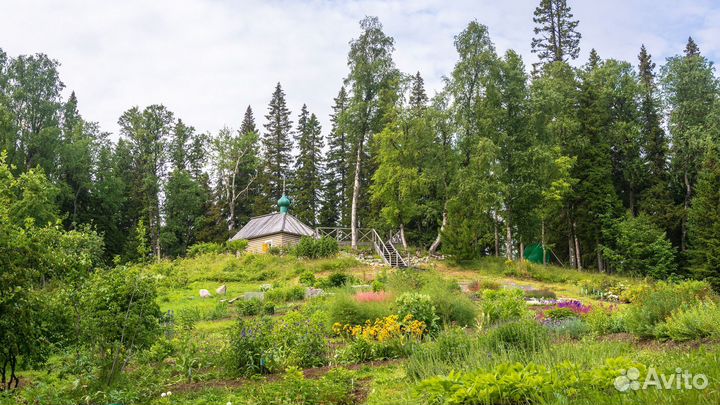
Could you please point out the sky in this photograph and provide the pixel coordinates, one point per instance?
(208, 60)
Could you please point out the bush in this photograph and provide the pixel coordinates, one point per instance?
(269, 308)
(117, 304)
(479, 285)
(641, 249)
(345, 309)
(199, 249)
(572, 328)
(249, 345)
(420, 306)
(286, 294)
(307, 278)
(604, 321)
(455, 309)
(386, 338)
(504, 305)
(699, 321)
(525, 336)
(656, 304)
(334, 280)
(452, 347)
(236, 246)
(259, 345)
(560, 313)
(249, 307)
(311, 248)
(543, 294)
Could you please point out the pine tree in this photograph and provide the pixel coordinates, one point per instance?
(704, 221)
(593, 60)
(557, 38)
(277, 147)
(248, 123)
(308, 167)
(335, 208)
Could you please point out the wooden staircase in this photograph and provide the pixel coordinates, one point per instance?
(368, 236)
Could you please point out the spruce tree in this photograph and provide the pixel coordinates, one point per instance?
(248, 122)
(691, 48)
(335, 208)
(277, 147)
(656, 199)
(557, 38)
(308, 168)
(418, 98)
(704, 221)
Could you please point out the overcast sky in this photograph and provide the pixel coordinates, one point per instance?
(207, 60)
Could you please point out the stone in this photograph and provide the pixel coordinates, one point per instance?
(254, 295)
(205, 293)
(314, 292)
(221, 290)
(234, 299)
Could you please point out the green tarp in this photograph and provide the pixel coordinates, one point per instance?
(534, 253)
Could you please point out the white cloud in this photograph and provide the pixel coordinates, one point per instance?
(207, 60)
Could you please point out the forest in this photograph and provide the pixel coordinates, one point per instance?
(611, 166)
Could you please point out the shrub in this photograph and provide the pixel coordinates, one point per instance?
(307, 278)
(334, 280)
(311, 248)
(344, 309)
(451, 347)
(249, 344)
(298, 340)
(699, 321)
(286, 294)
(259, 345)
(205, 248)
(269, 308)
(420, 306)
(219, 311)
(386, 338)
(116, 304)
(560, 313)
(525, 336)
(542, 293)
(572, 328)
(249, 307)
(455, 309)
(641, 248)
(656, 303)
(604, 321)
(504, 305)
(479, 285)
(236, 246)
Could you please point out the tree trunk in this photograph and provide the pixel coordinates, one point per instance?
(355, 197)
(522, 251)
(578, 260)
(598, 248)
(571, 243)
(508, 241)
(542, 241)
(688, 190)
(497, 236)
(436, 243)
(631, 200)
(402, 236)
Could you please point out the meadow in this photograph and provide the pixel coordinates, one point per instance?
(337, 331)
